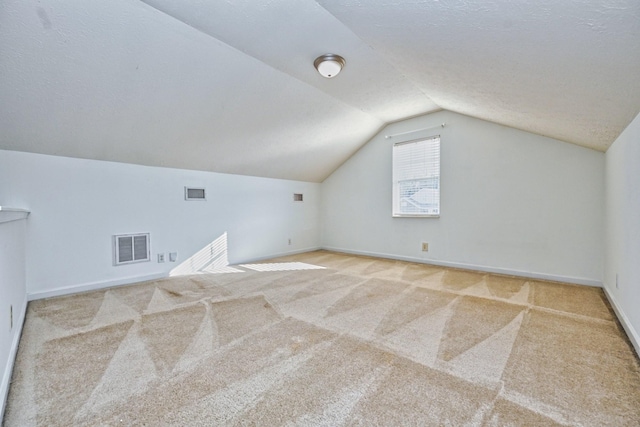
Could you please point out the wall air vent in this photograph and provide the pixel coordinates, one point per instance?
(194, 193)
(130, 248)
(297, 197)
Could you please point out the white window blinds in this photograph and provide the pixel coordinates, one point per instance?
(416, 177)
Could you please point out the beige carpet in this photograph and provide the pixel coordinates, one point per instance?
(363, 341)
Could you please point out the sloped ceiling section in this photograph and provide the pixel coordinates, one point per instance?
(229, 86)
(565, 69)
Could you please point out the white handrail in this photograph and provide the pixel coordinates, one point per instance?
(12, 214)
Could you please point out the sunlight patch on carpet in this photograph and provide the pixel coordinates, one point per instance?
(282, 266)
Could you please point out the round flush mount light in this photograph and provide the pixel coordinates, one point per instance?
(329, 65)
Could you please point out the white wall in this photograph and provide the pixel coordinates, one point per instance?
(511, 202)
(13, 293)
(622, 228)
(77, 205)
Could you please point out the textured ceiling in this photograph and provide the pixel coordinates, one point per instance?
(230, 87)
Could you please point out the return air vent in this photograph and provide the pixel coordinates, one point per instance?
(194, 193)
(130, 248)
(298, 197)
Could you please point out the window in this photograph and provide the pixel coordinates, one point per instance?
(416, 177)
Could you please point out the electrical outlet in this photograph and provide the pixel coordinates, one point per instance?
(289, 242)
(173, 256)
(160, 257)
(425, 247)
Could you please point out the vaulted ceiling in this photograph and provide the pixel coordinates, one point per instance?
(229, 86)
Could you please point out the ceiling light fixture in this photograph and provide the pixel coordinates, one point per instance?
(329, 65)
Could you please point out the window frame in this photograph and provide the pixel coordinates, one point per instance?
(396, 208)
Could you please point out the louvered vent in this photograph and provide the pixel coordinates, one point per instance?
(194, 193)
(297, 197)
(130, 248)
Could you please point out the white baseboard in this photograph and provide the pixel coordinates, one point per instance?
(633, 335)
(497, 270)
(93, 286)
(67, 290)
(13, 351)
(278, 255)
